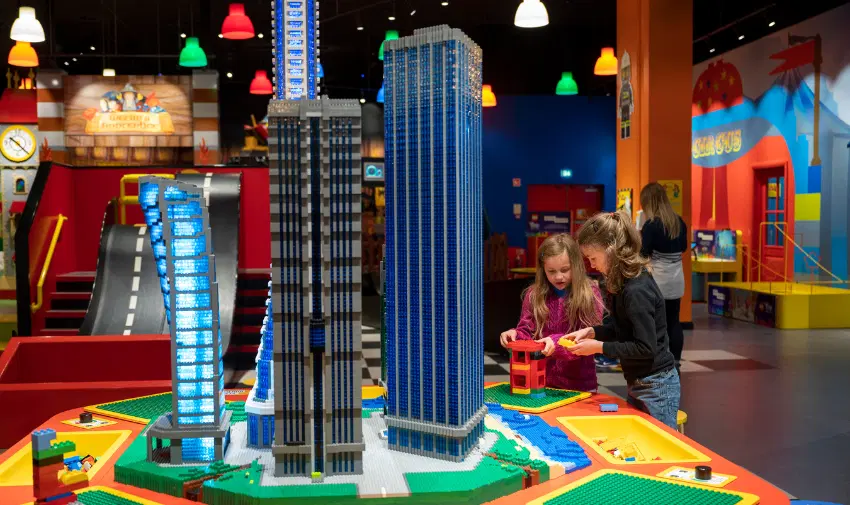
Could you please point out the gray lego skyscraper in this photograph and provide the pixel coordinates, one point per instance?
(198, 427)
(434, 263)
(314, 177)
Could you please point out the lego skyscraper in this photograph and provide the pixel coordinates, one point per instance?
(434, 262)
(198, 426)
(315, 177)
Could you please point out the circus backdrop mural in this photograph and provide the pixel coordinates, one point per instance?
(771, 126)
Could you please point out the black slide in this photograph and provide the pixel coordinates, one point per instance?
(127, 298)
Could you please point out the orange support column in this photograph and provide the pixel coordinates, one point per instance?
(655, 144)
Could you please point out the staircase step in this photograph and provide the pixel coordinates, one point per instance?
(76, 282)
(72, 314)
(253, 279)
(59, 332)
(251, 293)
(67, 319)
(70, 300)
(243, 349)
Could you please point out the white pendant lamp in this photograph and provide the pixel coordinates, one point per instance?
(27, 28)
(531, 14)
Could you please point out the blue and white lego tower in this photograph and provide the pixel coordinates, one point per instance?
(314, 177)
(198, 426)
(434, 270)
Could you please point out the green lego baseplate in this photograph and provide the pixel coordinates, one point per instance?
(238, 409)
(635, 490)
(141, 410)
(501, 394)
(98, 497)
(56, 449)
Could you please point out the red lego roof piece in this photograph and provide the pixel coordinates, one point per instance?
(19, 106)
(526, 345)
(17, 207)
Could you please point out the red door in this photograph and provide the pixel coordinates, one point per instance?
(770, 224)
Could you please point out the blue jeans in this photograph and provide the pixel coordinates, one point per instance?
(657, 395)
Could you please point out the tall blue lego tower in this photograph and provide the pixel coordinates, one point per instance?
(198, 426)
(314, 188)
(434, 270)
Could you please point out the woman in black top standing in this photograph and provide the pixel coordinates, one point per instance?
(664, 238)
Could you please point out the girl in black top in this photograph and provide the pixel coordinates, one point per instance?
(636, 329)
(664, 240)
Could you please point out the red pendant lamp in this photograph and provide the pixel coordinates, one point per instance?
(261, 85)
(23, 55)
(237, 26)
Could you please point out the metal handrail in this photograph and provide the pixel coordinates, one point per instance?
(35, 307)
(124, 200)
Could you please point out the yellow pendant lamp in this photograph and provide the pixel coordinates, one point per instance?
(23, 55)
(607, 63)
(488, 98)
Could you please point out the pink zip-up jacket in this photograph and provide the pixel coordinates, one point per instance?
(564, 370)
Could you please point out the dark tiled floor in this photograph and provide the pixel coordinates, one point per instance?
(783, 412)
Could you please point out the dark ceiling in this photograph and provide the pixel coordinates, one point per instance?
(130, 34)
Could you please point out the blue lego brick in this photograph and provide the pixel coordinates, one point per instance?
(608, 407)
(73, 463)
(630, 458)
(551, 441)
(58, 497)
(41, 439)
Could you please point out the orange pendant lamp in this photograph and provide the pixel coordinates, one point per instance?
(237, 26)
(607, 63)
(23, 55)
(261, 85)
(488, 98)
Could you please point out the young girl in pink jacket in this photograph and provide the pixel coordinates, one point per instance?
(561, 300)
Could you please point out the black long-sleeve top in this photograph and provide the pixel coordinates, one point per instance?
(655, 238)
(635, 331)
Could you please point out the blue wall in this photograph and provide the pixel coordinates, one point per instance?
(534, 138)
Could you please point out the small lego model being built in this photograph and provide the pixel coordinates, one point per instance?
(528, 368)
(52, 483)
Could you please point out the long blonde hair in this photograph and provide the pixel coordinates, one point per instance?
(655, 203)
(615, 233)
(582, 304)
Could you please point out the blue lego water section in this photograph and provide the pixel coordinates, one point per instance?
(551, 441)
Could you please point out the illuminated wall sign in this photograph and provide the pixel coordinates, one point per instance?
(373, 172)
(721, 143)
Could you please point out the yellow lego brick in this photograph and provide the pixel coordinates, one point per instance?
(521, 391)
(73, 477)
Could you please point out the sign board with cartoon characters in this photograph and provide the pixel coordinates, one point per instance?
(124, 106)
(129, 120)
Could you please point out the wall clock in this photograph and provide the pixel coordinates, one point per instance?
(18, 143)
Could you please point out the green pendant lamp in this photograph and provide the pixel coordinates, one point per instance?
(391, 35)
(567, 85)
(192, 55)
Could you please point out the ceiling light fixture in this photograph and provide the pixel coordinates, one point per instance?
(109, 72)
(445, 4)
(531, 14)
(771, 24)
(27, 28)
(740, 37)
(237, 26)
(261, 85)
(23, 55)
(359, 28)
(607, 63)
(230, 75)
(567, 85)
(391, 18)
(413, 12)
(260, 35)
(92, 48)
(488, 98)
(711, 50)
(391, 35)
(362, 100)
(182, 35)
(221, 35)
(192, 55)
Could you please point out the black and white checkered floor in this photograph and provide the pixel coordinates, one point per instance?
(496, 366)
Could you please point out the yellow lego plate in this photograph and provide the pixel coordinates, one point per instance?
(653, 443)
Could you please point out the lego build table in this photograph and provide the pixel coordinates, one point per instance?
(665, 448)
